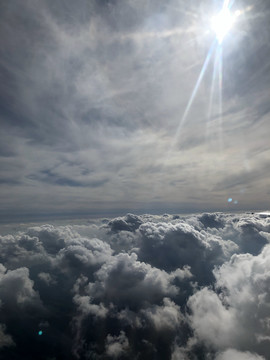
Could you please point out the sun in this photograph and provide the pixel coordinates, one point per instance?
(222, 23)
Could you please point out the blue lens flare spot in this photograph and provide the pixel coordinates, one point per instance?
(40, 332)
(230, 200)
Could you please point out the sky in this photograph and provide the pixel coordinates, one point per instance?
(96, 112)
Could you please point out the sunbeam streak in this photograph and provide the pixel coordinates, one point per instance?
(220, 78)
(210, 107)
(221, 25)
(193, 95)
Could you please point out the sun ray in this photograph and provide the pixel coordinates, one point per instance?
(220, 74)
(194, 92)
(211, 100)
(221, 25)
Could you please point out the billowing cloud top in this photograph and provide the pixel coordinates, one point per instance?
(138, 287)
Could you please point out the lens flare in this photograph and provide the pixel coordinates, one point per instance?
(222, 23)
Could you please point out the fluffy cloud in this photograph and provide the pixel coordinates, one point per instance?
(129, 223)
(5, 339)
(127, 282)
(237, 355)
(47, 278)
(172, 245)
(116, 345)
(17, 292)
(166, 317)
(164, 287)
(238, 313)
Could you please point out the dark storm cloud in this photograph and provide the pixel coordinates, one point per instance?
(163, 287)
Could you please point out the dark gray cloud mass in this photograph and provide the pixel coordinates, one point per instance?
(92, 94)
(138, 287)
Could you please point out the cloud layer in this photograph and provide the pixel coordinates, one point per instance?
(92, 95)
(138, 287)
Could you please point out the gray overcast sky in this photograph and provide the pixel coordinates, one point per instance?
(93, 95)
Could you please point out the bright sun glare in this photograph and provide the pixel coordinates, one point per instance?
(222, 23)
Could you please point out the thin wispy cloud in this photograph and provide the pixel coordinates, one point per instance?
(92, 97)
